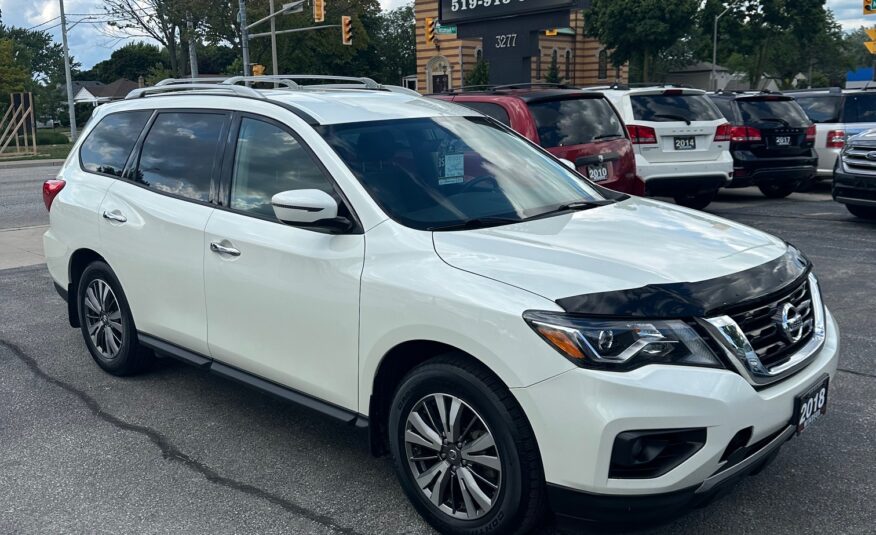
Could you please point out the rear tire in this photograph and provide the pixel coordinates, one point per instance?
(697, 201)
(106, 322)
(777, 191)
(487, 414)
(864, 212)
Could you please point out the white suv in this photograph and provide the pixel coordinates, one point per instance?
(681, 141)
(514, 335)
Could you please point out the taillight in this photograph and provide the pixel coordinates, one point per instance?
(836, 139)
(810, 134)
(722, 133)
(642, 135)
(742, 134)
(51, 189)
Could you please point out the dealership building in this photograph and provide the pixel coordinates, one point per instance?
(517, 38)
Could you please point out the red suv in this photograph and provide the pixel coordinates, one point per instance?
(581, 127)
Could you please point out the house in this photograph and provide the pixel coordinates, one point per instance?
(99, 94)
(699, 75)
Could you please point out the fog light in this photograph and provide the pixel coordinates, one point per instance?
(653, 453)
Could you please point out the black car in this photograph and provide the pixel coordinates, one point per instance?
(771, 141)
(854, 177)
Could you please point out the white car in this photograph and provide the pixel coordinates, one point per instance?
(680, 139)
(512, 334)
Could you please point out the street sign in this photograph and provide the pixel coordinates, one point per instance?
(870, 7)
(445, 29)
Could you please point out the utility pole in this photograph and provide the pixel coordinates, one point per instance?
(273, 41)
(714, 80)
(193, 54)
(71, 108)
(244, 38)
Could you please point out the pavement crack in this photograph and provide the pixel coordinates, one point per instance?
(860, 374)
(169, 451)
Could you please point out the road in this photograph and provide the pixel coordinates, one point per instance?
(179, 451)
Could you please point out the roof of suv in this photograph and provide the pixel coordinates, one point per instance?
(531, 93)
(324, 106)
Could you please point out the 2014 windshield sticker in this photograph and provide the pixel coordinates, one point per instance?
(454, 169)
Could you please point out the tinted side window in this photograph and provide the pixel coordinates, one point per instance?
(821, 109)
(669, 108)
(860, 108)
(180, 152)
(489, 109)
(108, 146)
(269, 160)
(725, 106)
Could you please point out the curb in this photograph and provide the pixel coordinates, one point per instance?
(31, 163)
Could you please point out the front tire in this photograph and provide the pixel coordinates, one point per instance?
(777, 191)
(864, 212)
(697, 201)
(106, 322)
(464, 451)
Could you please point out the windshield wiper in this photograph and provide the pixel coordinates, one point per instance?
(607, 136)
(575, 206)
(476, 223)
(672, 116)
(775, 120)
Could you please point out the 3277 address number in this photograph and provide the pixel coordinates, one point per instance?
(508, 40)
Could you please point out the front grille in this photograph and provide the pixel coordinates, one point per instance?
(855, 159)
(762, 326)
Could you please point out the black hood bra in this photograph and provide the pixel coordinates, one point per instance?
(706, 298)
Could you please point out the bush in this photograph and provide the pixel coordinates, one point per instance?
(51, 138)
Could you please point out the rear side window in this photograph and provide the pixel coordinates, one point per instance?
(725, 106)
(108, 146)
(767, 110)
(269, 160)
(561, 123)
(821, 109)
(180, 152)
(669, 108)
(860, 108)
(490, 109)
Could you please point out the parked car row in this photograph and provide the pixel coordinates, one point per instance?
(662, 141)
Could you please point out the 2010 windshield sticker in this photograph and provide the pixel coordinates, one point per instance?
(454, 169)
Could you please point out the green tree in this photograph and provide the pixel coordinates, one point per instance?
(553, 72)
(13, 77)
(396, 44)
(640, 28)
(130, 61)
(478, 76)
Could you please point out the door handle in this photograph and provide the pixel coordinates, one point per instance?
(115, 215)
(217, 247)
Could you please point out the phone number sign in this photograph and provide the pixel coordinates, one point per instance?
(462, 11)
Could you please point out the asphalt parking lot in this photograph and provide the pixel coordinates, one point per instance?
(180, 451)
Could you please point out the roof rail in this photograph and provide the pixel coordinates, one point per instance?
(530, 84)
(833, 89)
(242, 91)
(261, 79)
(176, 81)
(367, 82)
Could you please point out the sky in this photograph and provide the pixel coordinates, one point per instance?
(89, 43)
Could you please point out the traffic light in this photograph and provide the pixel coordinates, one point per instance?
(430, 30)
(318, 10)
(869, 7)
(347, 30)
(258, 70)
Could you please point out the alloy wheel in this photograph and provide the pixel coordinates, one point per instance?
(103, 319)
(453, 456)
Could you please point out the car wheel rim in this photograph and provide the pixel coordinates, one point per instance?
(103, 319)
(453, 457)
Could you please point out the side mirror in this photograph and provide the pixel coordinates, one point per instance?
(570, 165)
(304, 206)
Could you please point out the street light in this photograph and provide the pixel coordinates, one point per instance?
(714, 77)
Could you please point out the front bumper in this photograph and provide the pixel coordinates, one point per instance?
(577, 415)
(854, 189)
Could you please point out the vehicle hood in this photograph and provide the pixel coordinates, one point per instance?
(621, 246)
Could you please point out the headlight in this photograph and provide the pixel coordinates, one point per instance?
(622, 344)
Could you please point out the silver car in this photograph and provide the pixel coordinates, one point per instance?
(838, 114)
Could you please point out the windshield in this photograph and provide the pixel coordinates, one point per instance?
(821, 109)
(670, 108)
(777, 111)
(444, 172)
(577, 121)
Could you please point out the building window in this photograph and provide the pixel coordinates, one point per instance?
(555, 58)
(538, 65)
(602, 69)
(568, 65)
(617, 73)
(479, 54)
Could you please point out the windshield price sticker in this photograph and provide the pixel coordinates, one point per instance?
(454, 169)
